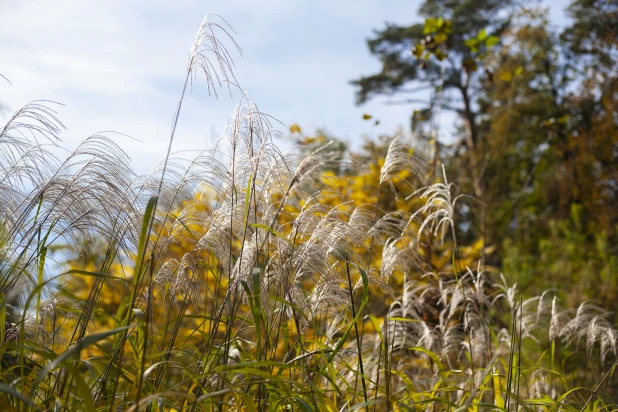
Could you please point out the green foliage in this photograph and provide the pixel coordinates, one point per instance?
(436, 31)
(481, 39)
(537, 126)
(586, 262)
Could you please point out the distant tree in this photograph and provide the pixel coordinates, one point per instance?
(523, 112)
(591, 150)
(442, 54)
(539, 138)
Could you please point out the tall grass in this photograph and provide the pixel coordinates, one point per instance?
(251, 284)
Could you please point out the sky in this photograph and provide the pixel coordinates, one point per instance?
(119, 65)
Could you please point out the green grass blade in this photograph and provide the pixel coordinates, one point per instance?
(75, 349)
(359, 313)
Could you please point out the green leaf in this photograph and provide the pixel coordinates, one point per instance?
(418, 50)
(143, 238)
(431, 24)
(78, 347)
(440, 37)
(256, 308)
(303, 405)
(298, 310)
(482, 35)
(359, 313)
(273, 231)
(376, 325)
(434, 357)
(9, 390)
(41, 271)
(470, 43)
(34, 292)
(86, 402)
(141, 251)
(492, 41)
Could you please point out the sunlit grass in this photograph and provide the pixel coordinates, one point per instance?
(257, 284)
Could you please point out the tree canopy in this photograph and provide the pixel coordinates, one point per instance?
(536, 138)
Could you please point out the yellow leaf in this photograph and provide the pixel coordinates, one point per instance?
(418, 50)
(367, 116)
(295, 128)
(506, 76)
(498, 399)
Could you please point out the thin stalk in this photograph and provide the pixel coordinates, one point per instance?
(457, 270)
(521, 317)
(596, 389)
(509, 379)
(358, 344)
(369, 260)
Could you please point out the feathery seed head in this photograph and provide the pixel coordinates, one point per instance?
(208, 45)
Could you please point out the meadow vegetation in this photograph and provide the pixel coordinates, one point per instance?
(257, 279)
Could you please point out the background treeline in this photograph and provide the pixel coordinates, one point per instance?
(535, 136)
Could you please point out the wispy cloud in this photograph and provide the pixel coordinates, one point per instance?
(119, 65)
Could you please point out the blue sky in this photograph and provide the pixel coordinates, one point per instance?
(119, 65)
